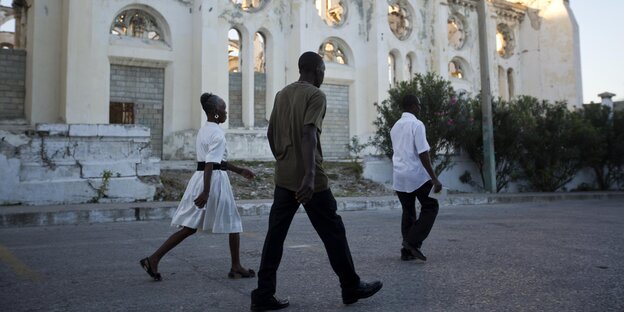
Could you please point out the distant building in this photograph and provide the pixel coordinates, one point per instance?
(147, 62)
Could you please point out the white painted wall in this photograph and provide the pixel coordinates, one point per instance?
(70, 51)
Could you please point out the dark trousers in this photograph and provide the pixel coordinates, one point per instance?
(321, 211)
(413, 229)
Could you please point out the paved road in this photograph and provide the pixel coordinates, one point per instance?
(556, 256)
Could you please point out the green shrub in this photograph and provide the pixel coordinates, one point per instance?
(355, 148)
(551, 140)
(604, 150)
(507, 118)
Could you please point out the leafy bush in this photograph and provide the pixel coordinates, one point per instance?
(616, 149)
(438, 113)
(355, 148)
(507, 119)
(540, 142)
(604, 152)
(551, 140)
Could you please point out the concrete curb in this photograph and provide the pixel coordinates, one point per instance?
(16, 216)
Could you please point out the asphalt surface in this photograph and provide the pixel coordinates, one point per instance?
(552, 256)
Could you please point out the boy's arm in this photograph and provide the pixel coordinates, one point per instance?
(426, 161)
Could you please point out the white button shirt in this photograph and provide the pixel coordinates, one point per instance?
(408, 140)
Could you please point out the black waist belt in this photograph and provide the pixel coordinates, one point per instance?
(215, 166)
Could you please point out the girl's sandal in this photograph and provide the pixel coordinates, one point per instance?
(237, 274)
(145, 264)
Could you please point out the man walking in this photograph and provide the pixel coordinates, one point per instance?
(294, 137)
(413, 178)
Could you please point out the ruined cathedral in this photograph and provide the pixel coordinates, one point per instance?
(81, 69)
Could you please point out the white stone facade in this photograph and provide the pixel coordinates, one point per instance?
(77, 163)
(73, 44)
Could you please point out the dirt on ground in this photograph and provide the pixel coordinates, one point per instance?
(344, 180)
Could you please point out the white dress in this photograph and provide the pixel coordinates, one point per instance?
(220, 213)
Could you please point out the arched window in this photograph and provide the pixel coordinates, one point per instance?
(504, 41)
(7, 22)
(259, 53)
(333, 12)
(260, 80)
(455, 69)
(456, 34)
(7, 25)
(400, 19)
(234, 49)
(502, 84)
(510, 83)
(136, 23)
(409, 64)
(332, 51)
(391, 70)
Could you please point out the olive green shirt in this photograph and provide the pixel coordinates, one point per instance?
(297, 105)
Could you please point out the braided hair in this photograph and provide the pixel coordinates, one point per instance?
(209, 103)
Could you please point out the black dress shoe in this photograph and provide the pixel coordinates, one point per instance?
(271, 304)
(406, 255)
(415, 251)
(364, 290)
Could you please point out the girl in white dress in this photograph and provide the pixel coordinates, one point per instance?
(208, 202)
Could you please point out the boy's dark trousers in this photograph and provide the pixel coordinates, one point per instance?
(321, 211)
(415, 230)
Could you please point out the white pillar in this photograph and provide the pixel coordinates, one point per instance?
(85, 66)
(247, 71)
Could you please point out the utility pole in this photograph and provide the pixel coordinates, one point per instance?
(489, 168)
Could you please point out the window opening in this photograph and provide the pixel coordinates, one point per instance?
(331, 51)
(504, 41)
(121, 113)
(410, 66)
(234, 48)
(399, 19)
(391, 70)
(259, 53)
(456, 34)
(510, 83)
(333, 12)
(455, 69)
(136, 23)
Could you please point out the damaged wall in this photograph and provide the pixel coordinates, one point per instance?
(66, 164)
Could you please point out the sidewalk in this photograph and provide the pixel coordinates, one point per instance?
(14, 216)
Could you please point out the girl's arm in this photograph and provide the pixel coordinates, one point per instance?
(242, 171)
(201, 200)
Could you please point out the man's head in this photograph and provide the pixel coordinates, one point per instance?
(410, 104)
(311, 65)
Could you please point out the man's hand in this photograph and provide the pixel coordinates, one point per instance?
(437, 186)
(201, 200)
(306, 190)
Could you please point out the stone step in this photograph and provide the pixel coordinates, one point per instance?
(16, 125)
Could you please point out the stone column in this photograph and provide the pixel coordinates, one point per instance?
(43, 69)
(247, 71)
(84, 65)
